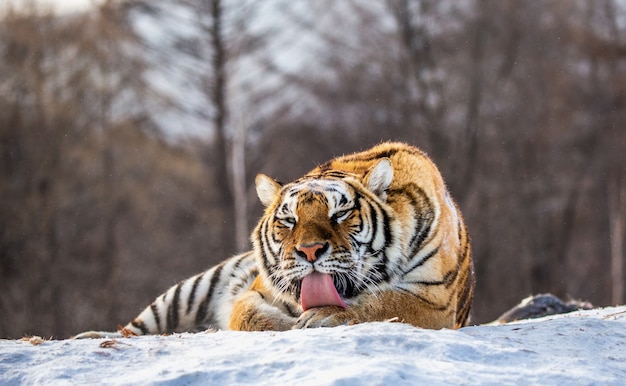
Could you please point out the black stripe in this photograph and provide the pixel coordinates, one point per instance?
(447, 281)
(468, 280)
(369, 155)
(462, 316)
(386, 227)
(358, 208)
(324, 173)
(424, 213)
(172, 310)
(451, 276)
(137, 323)
(335, 174)
(418, 239)
(266, 248)
(262, 234)
(435, 306)
(421, 262)
(201, 315)
(155, 313)
(238, 262)
(373, 221)
(264, 244)
(243, 280)
(466, 248)
(464, 304)
(465, 299)
(192, 294)
(380, 268)
(388, 241)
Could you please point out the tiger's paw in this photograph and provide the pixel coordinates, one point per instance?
(329, 316)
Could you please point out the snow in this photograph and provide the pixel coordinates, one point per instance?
(584, 347)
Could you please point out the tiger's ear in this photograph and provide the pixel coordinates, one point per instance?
(266, 188)
(379, 177)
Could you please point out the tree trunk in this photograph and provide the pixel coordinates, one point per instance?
(468, 162)
(617, 212)
(218, 98)
(238, 170)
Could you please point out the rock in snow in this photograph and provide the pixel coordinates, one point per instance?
(584, 347)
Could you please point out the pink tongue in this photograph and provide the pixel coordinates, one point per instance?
(318, 290)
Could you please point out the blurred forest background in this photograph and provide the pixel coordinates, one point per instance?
(130, 136)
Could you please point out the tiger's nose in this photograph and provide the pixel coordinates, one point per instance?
(311, 252)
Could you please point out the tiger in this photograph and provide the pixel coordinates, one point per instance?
(370, 236)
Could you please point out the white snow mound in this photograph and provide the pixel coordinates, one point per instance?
(584, 347)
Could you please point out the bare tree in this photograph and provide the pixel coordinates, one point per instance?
(217, 91)
(617, 213)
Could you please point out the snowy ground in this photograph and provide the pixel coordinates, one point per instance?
(586, 347)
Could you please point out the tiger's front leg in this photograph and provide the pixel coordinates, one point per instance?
(329, 316)
(407, 308)
(256, 310)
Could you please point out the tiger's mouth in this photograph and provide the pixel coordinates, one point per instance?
(322, 289)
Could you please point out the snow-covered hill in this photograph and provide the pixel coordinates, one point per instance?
(585, 347)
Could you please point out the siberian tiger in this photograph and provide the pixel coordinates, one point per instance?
(369, 236)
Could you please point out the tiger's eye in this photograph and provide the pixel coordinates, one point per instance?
(341, 215)
(287, 221)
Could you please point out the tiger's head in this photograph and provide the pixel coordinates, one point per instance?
(323, 238)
